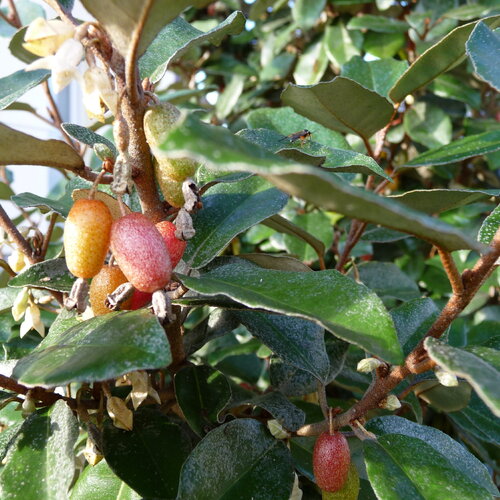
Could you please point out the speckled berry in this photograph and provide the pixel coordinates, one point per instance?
(158, 120)
(175, 246)
(86, 237)
(140, 299)
(331, 460)
(140, 252)
(178, 169)
(349, 491)
(170, 188)
(106, 281)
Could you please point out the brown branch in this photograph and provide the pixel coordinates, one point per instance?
(48, 235)
(56, 116)
(5, 266)
(417, 361)
(450, 267)
(380, 138)
(9, 227)
(174, 335)
(355, 233)
(14, 16)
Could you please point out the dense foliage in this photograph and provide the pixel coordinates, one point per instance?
(333, 167)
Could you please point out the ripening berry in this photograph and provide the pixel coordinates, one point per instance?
(331, 460)
(103, 283)
(140, 299)
(178, 169)
(86, 237)
(349, 491)
(175, 246)
(171, 189)
(158, 120)
(140, 252)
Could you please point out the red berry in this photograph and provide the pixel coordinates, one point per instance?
(175, 246)
(140, 299)
(331, 460)
(140, 252)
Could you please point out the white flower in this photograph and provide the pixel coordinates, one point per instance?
(20, 304)
(16, 261)
(98, 93)
(32, 320)
(43, 38)
(63, 64)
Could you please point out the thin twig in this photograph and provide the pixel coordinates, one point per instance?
(48, 235)
(5, 266)
(451, 270)
(16, 20)
(382, 134)
(9, 227)
(323, 403)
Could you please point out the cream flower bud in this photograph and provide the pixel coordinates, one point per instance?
(43, 38)
(98, 93)
(391, 403)
(367, 365)
(445, 378)
(16, 261)
(20, 304)
(276, 429)
(32, 320)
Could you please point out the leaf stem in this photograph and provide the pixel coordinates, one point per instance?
(10, 228)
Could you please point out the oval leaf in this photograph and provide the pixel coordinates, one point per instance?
(14, 86)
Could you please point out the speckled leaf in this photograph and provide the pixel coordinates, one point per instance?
(302, 451)
(17, 148)
(28, 200)
(482, 46)
(229, 209)
(380, 24)
(14, 86)
(436, 60)
(331, 104)
(295, 340)
(400, 466)
(42, 461)
(237, 461)
(456, 454)
(99, 481)
(87, 136)
(222, 150)
(356, 315)
(479, 365)
(489, 226)
(202, 393)
(50, 274)
(177, 37)
(149, 457)
(412, 320)
(461, 149)
(101, 348)
(7, 297)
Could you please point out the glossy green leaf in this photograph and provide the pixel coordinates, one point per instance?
(237, 461)
(149, 457)
(400, 466)
(468, 12)
(178, 37)
(17, 148)
(479, 365)
(456, 454)
(229, 97)
(380, 24)
(42, 461)
(286, 121)
(442, 398)
(221, 150)
(357, 314)
(121, 20)
(441, 57)
(379, 75)
(383, 45)
(428, 125)
(87, 136)
(342, 44)
(202, 393)
(311, 64)
(278, 262)
(412, 320)
(461, 149)
(51, 274)
(305, 13)
(14, 86)
(278, 68)
(101, 348)
(331, 104)
(451, 87)
(229, 209)
(298, 342)
(482, 45)
(28, 200)
(489, 226)
(99, 481)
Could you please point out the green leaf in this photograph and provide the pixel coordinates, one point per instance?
(7, 298)
(428, 125)
(482, 44)
(400, 466)
(221, 150)
(296, 341)
(442, 398)
(229, 209)
(51, 274)
(477, 364)
(28, 200)
(17, 148)
(378, 75)
(489, 226)
(312, 64)
(14, 86)
(383, 45)
(302, 451)
(101, 348)
(87, 136)
(286, 121)
(278, 262)
(456, 454)
(120, 20)
(202, 393)
(305, 13)
(42, 461)
(16, 47)
(331, 104)
(239, 460)
(229, 97)
(379, 24)
(342, 44)
(178, 37)
(461, 149)
(149, 457)
(388, 281)
(357, 315)
(412, 320)
(441, 57)
(451, 87)
(100, 480)
(468, 12)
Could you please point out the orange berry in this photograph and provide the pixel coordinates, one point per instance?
(106, 281)
(331, 460)
(86, 237)
(175, 246)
